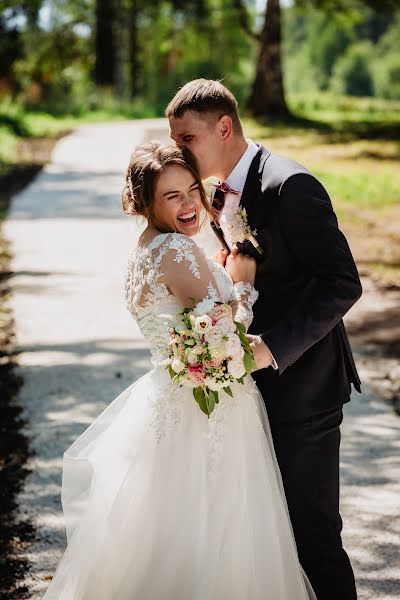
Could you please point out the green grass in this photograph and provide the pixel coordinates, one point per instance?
(360, 172)
(17, 123)
(335, 110)
(364, 189)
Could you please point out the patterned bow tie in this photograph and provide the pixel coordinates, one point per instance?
(226, 189)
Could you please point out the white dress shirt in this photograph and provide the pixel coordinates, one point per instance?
(236, 180)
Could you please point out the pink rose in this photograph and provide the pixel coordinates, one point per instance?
(212, 364)
(197, 377)
(220, 311)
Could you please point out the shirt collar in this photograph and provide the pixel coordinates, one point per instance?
(237, 176)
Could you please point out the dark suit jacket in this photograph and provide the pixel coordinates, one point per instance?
(307, 281)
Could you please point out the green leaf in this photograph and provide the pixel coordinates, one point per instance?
(240, 380)
(200, 397)
(240, 326)
(248, 363)
(189, 342)
(228, 391)
(245, 342)
(211, 400)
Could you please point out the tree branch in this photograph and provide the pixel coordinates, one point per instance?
(243, 17)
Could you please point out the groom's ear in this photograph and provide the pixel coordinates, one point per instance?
(225, 125)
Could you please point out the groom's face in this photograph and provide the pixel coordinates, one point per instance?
(201, 135)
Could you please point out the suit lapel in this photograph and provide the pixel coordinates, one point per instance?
(252, 187)
(251, 198)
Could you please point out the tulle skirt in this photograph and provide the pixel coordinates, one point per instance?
(162, 503)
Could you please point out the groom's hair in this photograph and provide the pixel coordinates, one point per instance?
(207, 97)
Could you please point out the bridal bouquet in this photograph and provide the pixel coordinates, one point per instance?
(208, 351)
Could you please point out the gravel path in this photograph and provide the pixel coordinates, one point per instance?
(80, 348)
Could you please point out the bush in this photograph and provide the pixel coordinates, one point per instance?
(387, 78)
(352, 74)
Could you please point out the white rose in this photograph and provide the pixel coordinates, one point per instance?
(232, 344)
(216, 386)
(236, 368)
(177, 365)
(217, 353)
(213, 337)
(204, 307)
(203, 324)
(226, 325)
(239, 354)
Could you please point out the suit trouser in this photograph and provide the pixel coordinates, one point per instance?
(308, 456)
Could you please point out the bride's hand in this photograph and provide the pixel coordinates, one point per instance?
(220, 257)
(241, 267)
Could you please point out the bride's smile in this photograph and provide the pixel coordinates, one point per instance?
(177, 201)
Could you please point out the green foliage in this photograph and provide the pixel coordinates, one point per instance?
(351, 6)
(387, 78)
(386, 66)
(49, 66)
(8, 145)
(352, 74)
(351, 51)
(52, 64)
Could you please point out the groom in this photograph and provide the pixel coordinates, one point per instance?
(307, 281)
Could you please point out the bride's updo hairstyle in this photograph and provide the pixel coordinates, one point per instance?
(146, 165)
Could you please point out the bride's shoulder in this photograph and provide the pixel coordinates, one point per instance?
(171, 247)
(179, 254)
(176, 243)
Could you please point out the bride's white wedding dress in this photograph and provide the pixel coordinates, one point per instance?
(160, 502)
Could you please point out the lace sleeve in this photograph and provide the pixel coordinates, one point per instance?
(243, 297)
(186, 273)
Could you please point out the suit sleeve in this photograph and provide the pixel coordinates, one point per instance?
(311, 231)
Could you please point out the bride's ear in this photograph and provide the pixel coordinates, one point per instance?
(225, 127)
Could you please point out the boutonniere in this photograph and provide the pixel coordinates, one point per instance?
(240, 231)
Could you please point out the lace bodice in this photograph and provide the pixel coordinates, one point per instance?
(162, 277)
(175, 260)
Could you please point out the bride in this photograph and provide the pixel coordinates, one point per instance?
(160, 501)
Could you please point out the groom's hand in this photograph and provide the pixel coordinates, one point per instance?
(262, 354)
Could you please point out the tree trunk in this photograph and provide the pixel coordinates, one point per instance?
(121, 50)
(267, 96)
(104, 43)
(133, 48)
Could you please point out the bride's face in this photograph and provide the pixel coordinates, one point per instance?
(177, 202)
